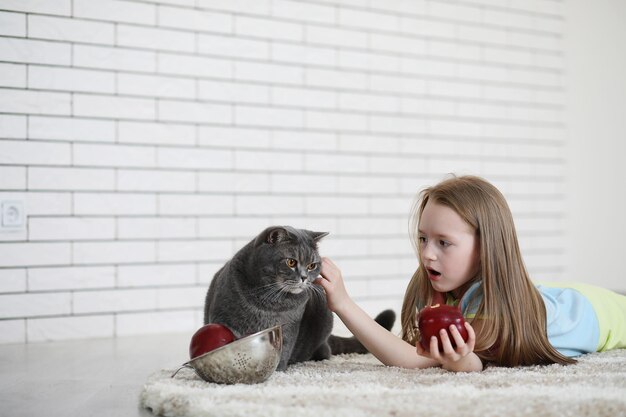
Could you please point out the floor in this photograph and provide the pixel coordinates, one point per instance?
(99, 377)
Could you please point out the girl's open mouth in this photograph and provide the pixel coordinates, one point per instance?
(433, 274)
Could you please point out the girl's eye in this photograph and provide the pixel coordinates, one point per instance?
(311, 266)
(422, 239)
(444, 243)
(291, 263)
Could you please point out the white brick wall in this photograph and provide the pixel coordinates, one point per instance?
(150, 139)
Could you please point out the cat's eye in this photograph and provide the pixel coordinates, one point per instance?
(291, 263)
(311, 266)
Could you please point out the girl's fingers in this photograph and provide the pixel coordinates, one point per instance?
(420, 350)
(445, 341)
(434, 349)
(471, 336)
(456, 335)
(329, 269)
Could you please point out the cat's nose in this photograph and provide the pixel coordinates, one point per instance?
(304, 278)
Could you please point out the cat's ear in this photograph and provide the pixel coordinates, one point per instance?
(275, 235)
(318, 235)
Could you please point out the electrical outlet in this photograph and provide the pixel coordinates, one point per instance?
(12, 215)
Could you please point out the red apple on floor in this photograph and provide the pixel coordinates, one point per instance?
(208, 337)
(434, 318)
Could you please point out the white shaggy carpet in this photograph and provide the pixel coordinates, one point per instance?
(358, 385)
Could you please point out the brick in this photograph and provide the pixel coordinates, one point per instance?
(198, 204)
(228, 136)
(194, 158)
(194, 19)
(153, 38)
(266, 28)
(56, 7)
(109, 301)
(74, 228)
(368, 102)
(232, 227)
(300, 140)
(268, 205)
(427, 27)
(268, 116)
(278, 161)
(156, 228)
(155, 322)
(114, 107)
(270, 73)
(333, 36)
(116, 11)
(33, 153)
(303, 183)
(34, 102)
(114, 204)
(306, 12)
(195, 112)
(12, 178)
(70, 30)
(34, 305)
(12, 126)
(156, 133)
(328, 120)
(368, 20)
(104, 57)
(299, 97)
(335, 79)
(187, 297)
(155, 86)
(29, 51)
(391, 124)
(234, 182)
(84, 253)
(156, 275)
(229, 46)
(12, 24)
(154, 180)
(70, 179)
(233, 92)
(114, 155)
(68, 79)
(193, 250)
(70, 328)
(42, 204)
(13, 331)
(198, 66)
(336, 205)
(260, 7)
(303, 54)
(12, 280)
(70, 278)
(336, 163)
(71, 129)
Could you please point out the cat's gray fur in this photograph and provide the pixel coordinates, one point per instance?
(258, 289)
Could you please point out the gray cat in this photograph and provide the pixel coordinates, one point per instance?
(269, 282)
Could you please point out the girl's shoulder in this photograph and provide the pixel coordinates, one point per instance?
(470, 301)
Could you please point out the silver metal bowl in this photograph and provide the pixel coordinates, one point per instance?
(249, 360)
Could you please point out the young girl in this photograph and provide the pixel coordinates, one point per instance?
(469, 256)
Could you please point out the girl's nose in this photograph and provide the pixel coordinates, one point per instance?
(428, 253)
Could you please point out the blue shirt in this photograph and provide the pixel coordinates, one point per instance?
(572, 323)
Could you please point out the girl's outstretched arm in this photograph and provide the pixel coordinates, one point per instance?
(388, 348)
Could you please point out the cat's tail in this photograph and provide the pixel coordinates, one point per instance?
(340, 344)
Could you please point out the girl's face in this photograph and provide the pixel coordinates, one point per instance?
(449, 249)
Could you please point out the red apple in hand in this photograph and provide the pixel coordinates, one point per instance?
(209, 337)
(434, 318)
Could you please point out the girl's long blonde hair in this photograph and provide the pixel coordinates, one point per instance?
(512, 326)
